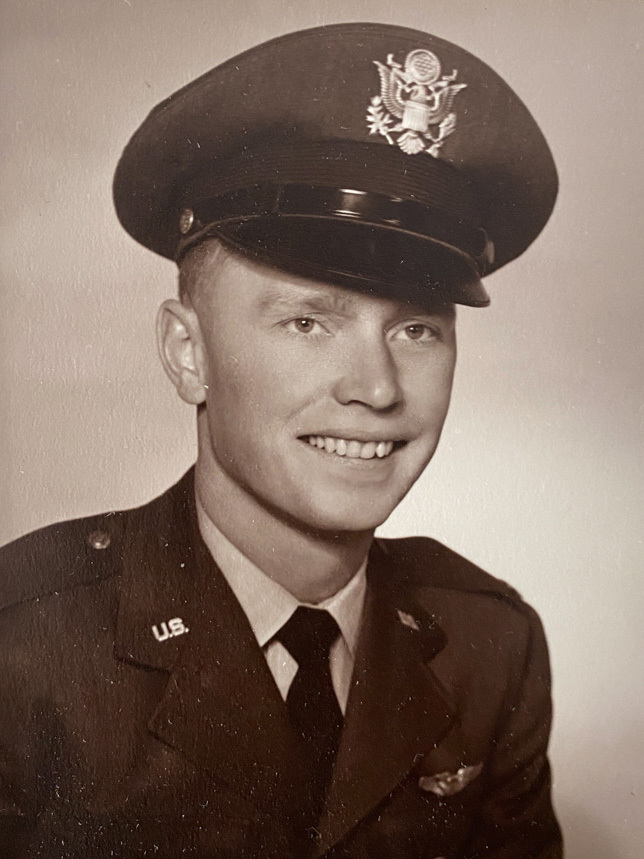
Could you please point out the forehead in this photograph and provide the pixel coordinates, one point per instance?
(219, 274)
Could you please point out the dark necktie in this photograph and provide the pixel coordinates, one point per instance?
(311, 701)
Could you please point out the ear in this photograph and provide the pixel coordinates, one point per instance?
(178, 341)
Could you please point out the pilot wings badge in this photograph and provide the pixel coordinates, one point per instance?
(419, 98)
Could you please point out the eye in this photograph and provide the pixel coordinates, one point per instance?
(304, 325)
(417, 331)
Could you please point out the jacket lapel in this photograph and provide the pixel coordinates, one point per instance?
(220, 708)
(397, 710)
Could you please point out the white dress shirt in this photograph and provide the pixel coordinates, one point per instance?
(268, 606)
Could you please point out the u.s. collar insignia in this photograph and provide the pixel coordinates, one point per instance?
(170, 629)
(448, 784)
(419, 98)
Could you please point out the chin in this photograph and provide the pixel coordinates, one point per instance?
(353, 515)
(350, 509)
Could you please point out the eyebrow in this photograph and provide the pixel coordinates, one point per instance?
(302, 300)
(306, 300)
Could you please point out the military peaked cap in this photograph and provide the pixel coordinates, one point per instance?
(359, 154)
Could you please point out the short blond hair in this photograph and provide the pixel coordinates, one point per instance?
(210, 253)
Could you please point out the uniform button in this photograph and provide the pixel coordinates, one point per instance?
(99, 539)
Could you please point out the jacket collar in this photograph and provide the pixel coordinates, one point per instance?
(160, 577)
(397, 711)
(221, 708)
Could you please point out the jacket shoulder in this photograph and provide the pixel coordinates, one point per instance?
(424, 562)
(60, 557)
(80, 551)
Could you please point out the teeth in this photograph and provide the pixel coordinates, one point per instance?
(350, 448)
(368, 450)
(353, 449)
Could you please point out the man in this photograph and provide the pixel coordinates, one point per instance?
(238, 668)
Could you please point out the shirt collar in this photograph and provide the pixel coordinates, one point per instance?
(266, 603)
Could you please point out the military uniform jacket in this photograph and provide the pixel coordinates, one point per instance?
(138, 715)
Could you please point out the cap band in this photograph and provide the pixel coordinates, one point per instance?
(307, 201)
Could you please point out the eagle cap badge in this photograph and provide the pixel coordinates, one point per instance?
(414, 108)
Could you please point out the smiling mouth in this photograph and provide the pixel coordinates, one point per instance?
(353, 449)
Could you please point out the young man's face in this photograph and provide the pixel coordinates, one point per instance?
(323, 404)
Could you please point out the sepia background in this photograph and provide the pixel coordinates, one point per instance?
(539, 474)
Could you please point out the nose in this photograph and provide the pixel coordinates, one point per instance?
(369, 375)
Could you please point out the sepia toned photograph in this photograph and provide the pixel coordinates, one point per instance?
(322, 373)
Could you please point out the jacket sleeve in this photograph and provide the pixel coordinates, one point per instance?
(18, 754)
(516, 820)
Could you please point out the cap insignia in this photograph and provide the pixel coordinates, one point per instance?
(414, 108)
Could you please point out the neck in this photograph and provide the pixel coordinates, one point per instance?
(311, 565)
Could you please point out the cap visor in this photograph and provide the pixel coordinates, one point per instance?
(356, 255)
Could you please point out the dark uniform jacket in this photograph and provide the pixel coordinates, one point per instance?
(138, 716)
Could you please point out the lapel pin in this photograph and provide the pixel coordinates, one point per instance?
(448, 784)
(408, 620)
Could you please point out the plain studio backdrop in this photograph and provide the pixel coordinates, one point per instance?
(539, 474)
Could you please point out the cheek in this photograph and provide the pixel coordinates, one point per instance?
(428, 392)
(243, 401)
(267, 378)
(233, 368)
